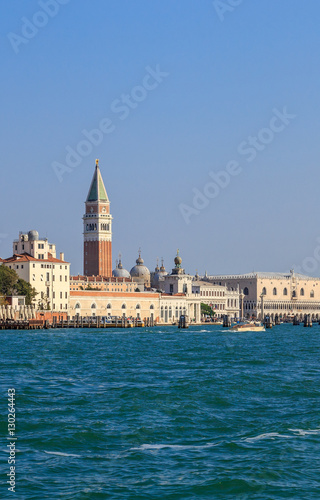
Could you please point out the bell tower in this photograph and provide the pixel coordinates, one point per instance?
(97, 225)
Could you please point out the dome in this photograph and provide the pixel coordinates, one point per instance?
(120, 272)
(178, 260)
(140, 271)
(33, 235)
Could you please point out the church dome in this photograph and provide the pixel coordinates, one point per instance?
(120, 272)
(140, 271)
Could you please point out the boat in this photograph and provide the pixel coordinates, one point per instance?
(251, 326)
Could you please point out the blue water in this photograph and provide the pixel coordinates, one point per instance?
(163, 414)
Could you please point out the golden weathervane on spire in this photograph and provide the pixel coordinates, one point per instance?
(97, 163)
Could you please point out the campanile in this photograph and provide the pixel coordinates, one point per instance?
(97, 229)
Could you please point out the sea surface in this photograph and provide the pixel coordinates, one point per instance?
(163, 413)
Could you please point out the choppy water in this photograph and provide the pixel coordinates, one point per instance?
(164, 414)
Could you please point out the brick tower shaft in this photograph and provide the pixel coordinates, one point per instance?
(97, 229)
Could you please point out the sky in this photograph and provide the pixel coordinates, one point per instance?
(210, 114)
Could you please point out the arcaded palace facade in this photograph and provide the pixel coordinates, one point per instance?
(285, 295)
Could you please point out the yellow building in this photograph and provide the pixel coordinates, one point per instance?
(50, 278)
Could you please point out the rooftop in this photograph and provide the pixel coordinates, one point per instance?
(261, 275)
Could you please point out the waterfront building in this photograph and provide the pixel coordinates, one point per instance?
(97, 224)
(49, 276)
(283, 294)
(222, 299)
(191, 292)
(141, 305)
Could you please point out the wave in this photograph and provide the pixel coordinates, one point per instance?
(302, 432)
(268, 435)
(58, 453)
(146, 447)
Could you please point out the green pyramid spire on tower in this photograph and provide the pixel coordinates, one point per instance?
(97, 191)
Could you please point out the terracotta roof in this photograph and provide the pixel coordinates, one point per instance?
(25, 257)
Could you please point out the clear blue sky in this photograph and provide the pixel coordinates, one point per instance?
(225, 78)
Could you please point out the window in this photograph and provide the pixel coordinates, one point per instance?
(66, 295)
(274, 291)
(48, 276)
(138, 306)
(93, 306)
(152, 306)
(171, 288)
(264, 290)
(53, 278)
(312, 294)
(33, 277)
(246, 291)
(66, 278)
(60, 277)
(41, 277)
(77, 306)
(285, 291)
(109, 306)
(60, 295)
(54, 295)
(302, 292)
(124, 306)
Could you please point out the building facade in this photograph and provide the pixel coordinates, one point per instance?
(97, 229)
(282, 294)
(30, 243)
(50, 277)
(115, 304)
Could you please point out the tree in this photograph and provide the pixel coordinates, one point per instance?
(24, 288)
(3, 301)
(11, 284)
(207, 310)
(8, 280)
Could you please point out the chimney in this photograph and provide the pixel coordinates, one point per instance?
(61, 256)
